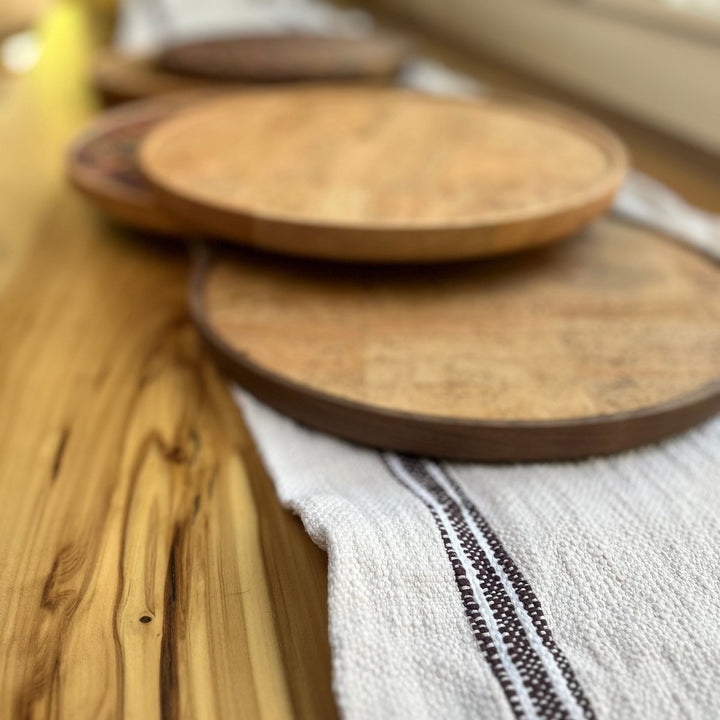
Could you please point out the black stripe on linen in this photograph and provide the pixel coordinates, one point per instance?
(525, 594)
(532, 670)
(475, 619)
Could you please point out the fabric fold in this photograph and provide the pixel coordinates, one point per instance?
(559, 590)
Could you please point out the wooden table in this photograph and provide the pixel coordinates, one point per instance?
(146, 567)
(138, 578)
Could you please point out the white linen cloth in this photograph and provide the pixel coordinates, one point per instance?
(622, 554)
(560, 590)
(145, 25)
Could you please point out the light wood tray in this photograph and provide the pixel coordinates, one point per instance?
(603, 343)
(383, 175)
(284, 58)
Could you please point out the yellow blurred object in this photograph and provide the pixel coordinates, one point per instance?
(29, 27)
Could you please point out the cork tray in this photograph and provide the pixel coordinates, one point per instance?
(286, 58)
(383, 175)
(603, 343)
(102, 161)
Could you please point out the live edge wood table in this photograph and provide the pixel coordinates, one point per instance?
(138, 576)
(146, 568)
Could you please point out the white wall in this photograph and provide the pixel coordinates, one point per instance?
(669, 79)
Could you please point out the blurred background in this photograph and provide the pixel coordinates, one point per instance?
(657, 61)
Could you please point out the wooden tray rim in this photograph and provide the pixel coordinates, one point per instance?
(393, 46)
(121, 202)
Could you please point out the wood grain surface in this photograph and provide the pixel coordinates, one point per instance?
(102, 161)
(607, 341)
(383, 175)
(143, 555)
(283, 58)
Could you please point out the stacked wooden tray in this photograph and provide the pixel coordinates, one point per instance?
(102, 161)
(231, 62)
(420, 273)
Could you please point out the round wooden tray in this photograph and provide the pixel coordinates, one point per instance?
(383, 175)
(120, 78)
(606, 342)
(102, 161)
(285, 58)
